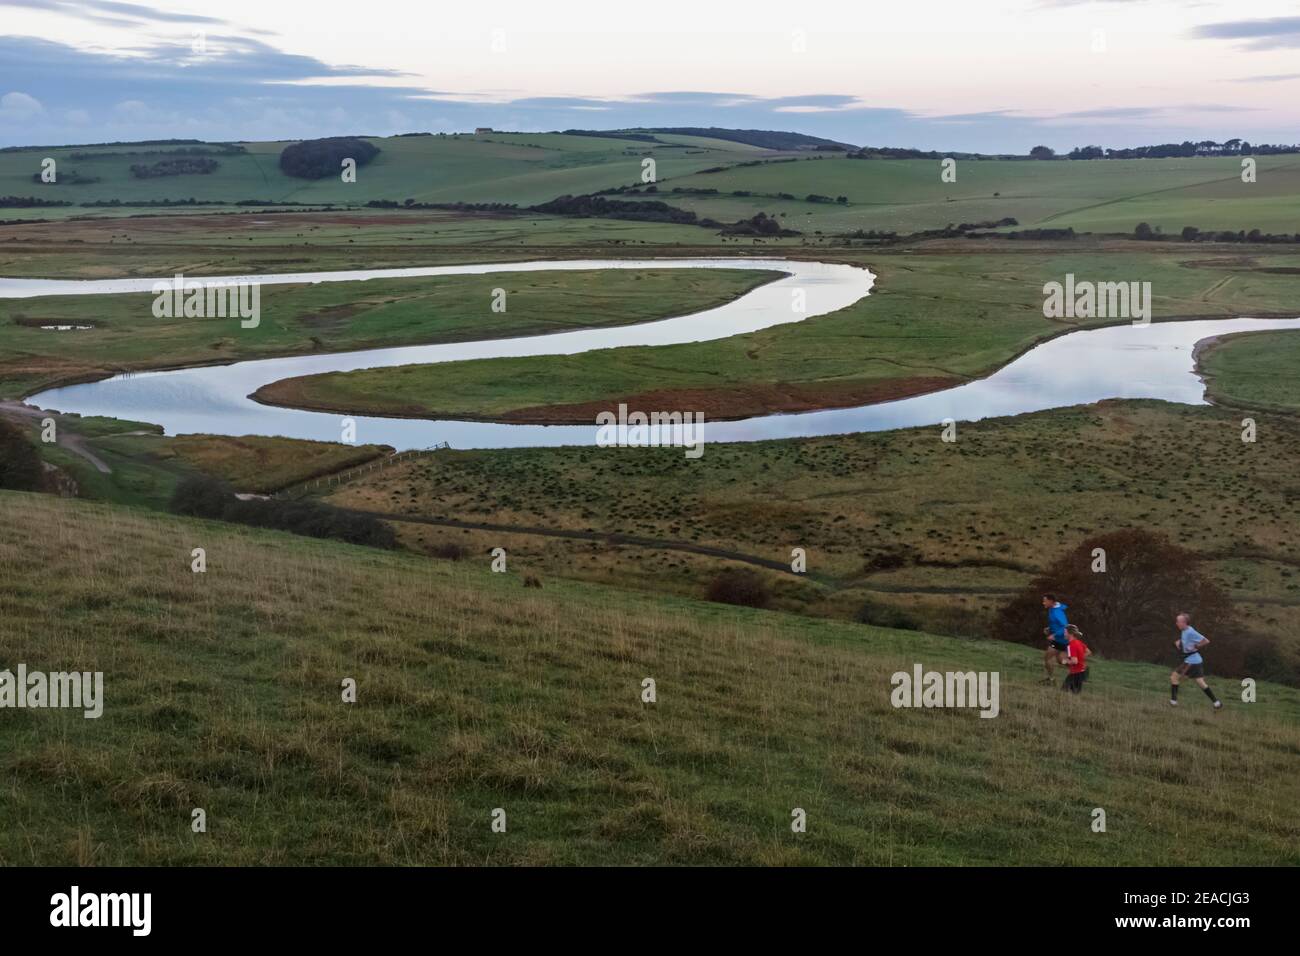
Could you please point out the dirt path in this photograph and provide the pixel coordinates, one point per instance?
(608, 537)
(63, 437)
(663, 544)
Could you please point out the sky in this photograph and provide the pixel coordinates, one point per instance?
(961, 75)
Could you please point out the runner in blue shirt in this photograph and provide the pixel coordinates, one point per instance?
(1189, 644)
(1058, 642)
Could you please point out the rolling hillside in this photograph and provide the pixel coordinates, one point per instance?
(222, 691)
(531, 168)
(1092, 196)
(520, 168)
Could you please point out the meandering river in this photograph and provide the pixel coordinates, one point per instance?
(1154, 361)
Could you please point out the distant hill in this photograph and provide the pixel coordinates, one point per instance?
(719, 175)
(762, 138)
(765, 138)
(520, 168)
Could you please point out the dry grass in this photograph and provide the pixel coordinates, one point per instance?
(256, 463)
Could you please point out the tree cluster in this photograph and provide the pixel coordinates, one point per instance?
(318, 158)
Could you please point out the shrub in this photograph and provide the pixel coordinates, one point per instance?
(741, 586)
(450, 550)
(888, 560)
(201, 498)
(1127, 611)
(882, 615)
(760, 224)
(20, 463)
(204, 497)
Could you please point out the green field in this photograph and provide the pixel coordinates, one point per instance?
(150, 245)
(933, 319)
(222, 692)
(1092, 196)
(525, 169)
(1254, 371)
(520, 168)
(335, 317)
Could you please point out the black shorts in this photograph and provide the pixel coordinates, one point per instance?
(1074, 682)
(1193, 671)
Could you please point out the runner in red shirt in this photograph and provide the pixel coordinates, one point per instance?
(1076, 657)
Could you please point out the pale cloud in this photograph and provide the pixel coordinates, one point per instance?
(1267, 34)
(17, 107)
(931, 74)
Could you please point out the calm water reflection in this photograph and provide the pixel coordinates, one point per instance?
(1085, 366)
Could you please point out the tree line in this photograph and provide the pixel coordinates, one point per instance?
(182, 166)
(1187, 148)
(1146, 232)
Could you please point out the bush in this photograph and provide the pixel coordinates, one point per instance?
(881, 615)
(1127, 612)
(20, 463)
(203, 497)
(450, 550)
(740, 586)
(760, 224)
(888, 560)
(318, 158)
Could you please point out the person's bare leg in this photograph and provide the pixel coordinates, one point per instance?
(1049, 662)
(1173, 687)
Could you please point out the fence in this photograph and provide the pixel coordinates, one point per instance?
(338, 478)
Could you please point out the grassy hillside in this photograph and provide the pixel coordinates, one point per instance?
(521, 168)
(223, 692)
(145, 466)
(530, 168)
(909, 195)
(259, 464)
(1093, 196)
(932, 533)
